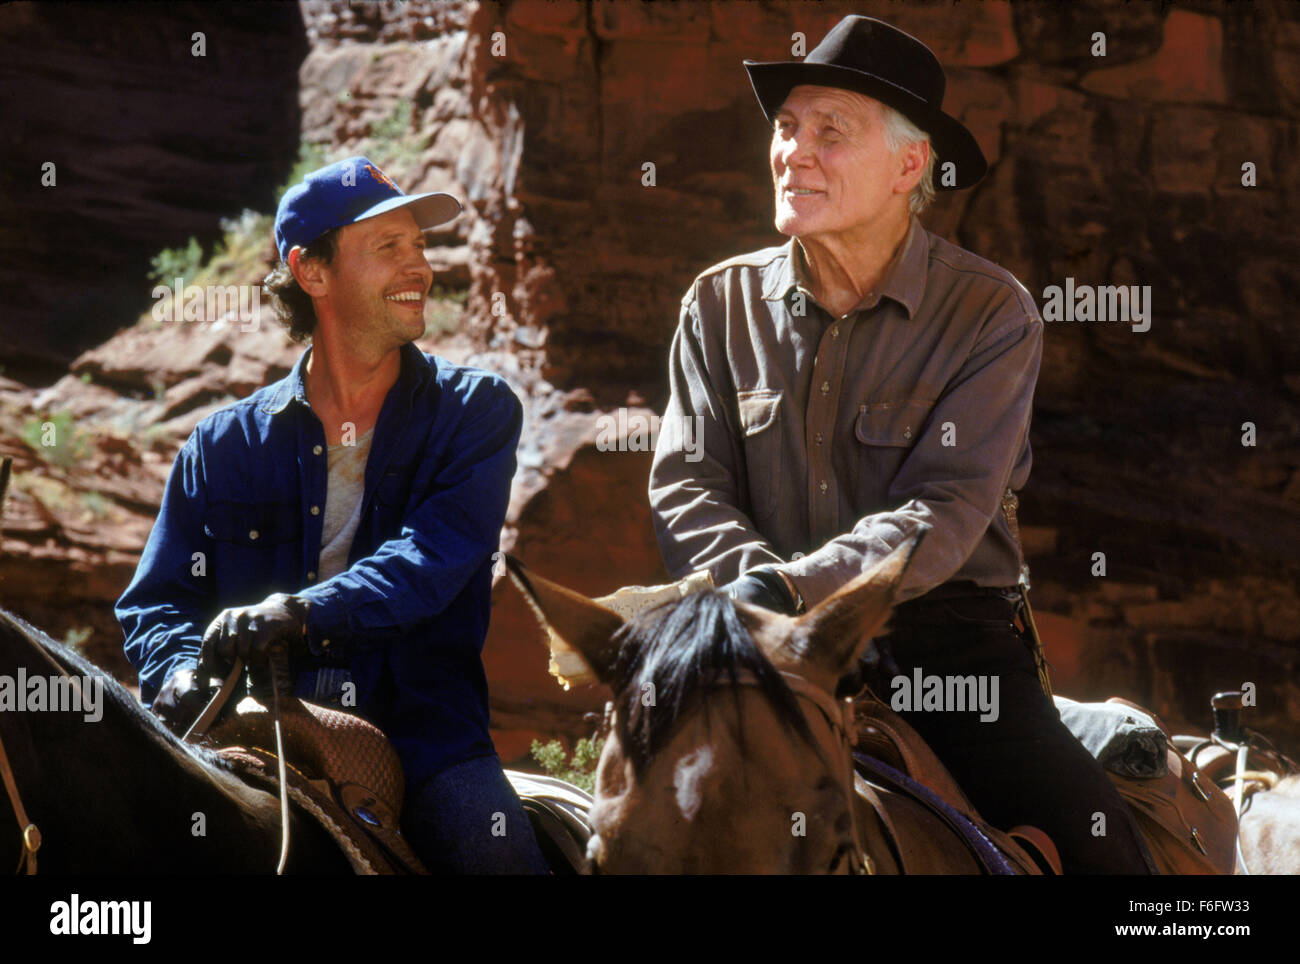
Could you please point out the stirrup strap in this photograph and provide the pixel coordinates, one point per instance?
(30, 833)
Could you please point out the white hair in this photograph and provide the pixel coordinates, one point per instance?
(899, 132)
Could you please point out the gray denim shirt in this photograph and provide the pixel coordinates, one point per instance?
(819, 444)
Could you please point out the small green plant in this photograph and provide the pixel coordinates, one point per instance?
(76, 637)
(172, 263)
(393, 143)
(458, 295)
(44, 488)
(55, 439)
(310, 157)
(395, 126)
(156, 435)
(446, 310)
(580, 770)
(96, 504)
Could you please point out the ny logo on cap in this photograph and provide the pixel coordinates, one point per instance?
(382, 178)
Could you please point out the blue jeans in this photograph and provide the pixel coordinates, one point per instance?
(467, 820)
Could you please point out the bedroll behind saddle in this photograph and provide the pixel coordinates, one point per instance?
(1189, 824)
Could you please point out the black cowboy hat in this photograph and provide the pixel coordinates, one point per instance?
(870, 57)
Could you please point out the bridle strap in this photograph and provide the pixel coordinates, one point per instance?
(31, 835)
(839, 715)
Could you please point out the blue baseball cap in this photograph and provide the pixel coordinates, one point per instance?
(346, 192)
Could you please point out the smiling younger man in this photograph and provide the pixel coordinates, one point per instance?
(352, 510)
(861, 383)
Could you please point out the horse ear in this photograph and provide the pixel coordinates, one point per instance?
(580, 630)
(837, 630)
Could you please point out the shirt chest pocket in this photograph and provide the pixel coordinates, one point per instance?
(253, 525)
(891, 424)
(885, 433)
(760, 421)
(393, 490)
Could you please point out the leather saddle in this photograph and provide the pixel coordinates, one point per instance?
(883, 736)
(1187, 823)
(344, 774)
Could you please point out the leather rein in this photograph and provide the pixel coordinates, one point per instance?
(27, 829)
(839, 716)
(31, 834)
(277, 664)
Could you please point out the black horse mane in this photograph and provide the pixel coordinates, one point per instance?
(75, 664)
(676, 651)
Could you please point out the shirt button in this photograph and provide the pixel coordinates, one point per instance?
(324, 644)
(312, 575)
(315, 510)
(835, 331)
(819, 438)
(907, 432)
(252, 533)
(316, 450)
(823, 486)
(826, 387)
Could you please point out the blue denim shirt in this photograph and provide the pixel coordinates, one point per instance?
(241, 518)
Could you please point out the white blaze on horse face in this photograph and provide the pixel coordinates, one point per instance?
(688, 776)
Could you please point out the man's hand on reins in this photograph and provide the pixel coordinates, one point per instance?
(251, 632)
(180, 701)
(763, 587)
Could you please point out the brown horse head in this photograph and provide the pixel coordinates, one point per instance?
(727, 752)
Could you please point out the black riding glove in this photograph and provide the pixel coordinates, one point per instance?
(180, 701)
(764, 588)
(251, 632)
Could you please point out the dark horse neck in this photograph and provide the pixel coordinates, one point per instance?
(120, 794)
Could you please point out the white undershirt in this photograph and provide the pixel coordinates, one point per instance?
(343, 495)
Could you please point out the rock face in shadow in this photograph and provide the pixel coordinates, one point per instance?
(159, 120)
(608, 152)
